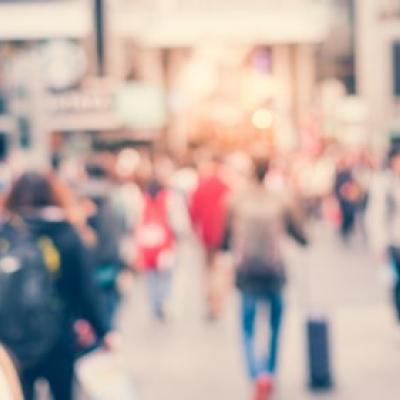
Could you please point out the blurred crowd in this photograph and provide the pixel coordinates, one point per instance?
(100, 221)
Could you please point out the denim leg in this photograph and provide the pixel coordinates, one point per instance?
(276, 313)
(164, 287)
(152, 286)
(395, 255)
(249, 307)
(159, 285)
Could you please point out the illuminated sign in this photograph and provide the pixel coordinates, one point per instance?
(79, 101)
(141, 106)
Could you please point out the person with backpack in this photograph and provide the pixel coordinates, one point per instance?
(349, 194)
(258, 219)
(161, 218)
(46, 283)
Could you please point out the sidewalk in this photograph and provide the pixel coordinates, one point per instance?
(191, 359)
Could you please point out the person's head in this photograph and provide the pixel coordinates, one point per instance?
(32, 191)
(208, 162)
(261, 169)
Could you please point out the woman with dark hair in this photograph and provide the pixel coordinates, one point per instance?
(32, 191)
(36, 203)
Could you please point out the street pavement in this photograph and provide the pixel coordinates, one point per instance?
(190, 358)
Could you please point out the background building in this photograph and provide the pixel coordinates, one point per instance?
(378, 63)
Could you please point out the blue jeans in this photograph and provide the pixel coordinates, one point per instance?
(250, 305)
(159, 285)
(395, 258)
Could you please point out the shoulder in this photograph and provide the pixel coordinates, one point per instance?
(64, 234)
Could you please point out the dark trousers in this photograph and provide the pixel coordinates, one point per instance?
(57, 369)
(348, 220)
(395, 256)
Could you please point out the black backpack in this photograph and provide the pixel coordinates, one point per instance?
(30, 309)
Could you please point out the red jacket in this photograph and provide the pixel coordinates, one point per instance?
(154, 237)
(208, 210)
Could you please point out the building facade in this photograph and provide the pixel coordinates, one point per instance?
(378, 64)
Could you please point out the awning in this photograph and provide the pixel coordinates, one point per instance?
(41, 20)
(298, 23)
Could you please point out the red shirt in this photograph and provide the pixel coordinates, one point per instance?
(208, 210)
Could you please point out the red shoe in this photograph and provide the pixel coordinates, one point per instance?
(264, 387)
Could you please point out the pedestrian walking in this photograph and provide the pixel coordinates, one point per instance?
(46, 284)
(161, 219)
(258, 221)
(208, 210)
(349, 195)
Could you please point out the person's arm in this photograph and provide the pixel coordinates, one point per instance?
(194, 207)
(294, 223)
(227, 239)
(87, 298)
(108, 235)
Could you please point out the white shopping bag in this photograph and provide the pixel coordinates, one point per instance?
(103, 377)
(9, 383)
